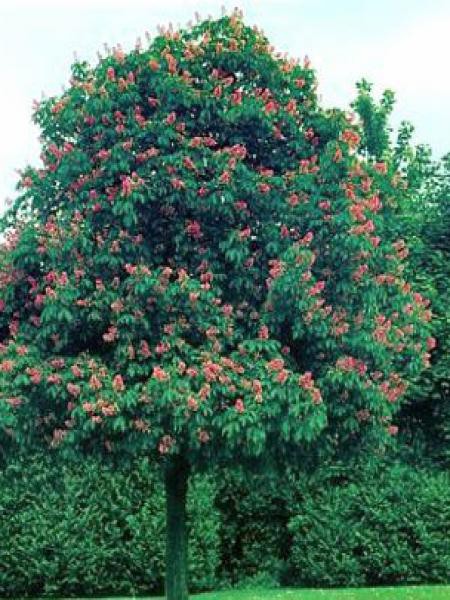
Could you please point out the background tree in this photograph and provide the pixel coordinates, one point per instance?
(201, 269)
(427, 413)
(421, 219)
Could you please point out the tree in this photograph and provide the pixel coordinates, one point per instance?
(422, 219)
(200, 270)
(427, 411)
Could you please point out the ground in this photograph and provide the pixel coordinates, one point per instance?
(387, 593)
(392, 593)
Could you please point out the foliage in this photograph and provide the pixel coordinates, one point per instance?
(429, 263)
(201, 266)
(422, 221)
(386, 527)
(254, 539)
(91, 529)
(375, 139)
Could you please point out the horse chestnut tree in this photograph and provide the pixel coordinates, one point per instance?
(200, 269)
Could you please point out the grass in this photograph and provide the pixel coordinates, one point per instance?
(437, 592)
(390, 593)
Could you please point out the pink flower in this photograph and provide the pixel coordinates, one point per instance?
(293, 200)
(193, 229)
(360, 271)
(245, 233)
(317, 288)
(160, 374)
(236, 97)
(239, 406)
(110, 335)
(392, 429)
(381, 167)
(108, 410)
(74, 390)
(307, 238)
(275, 364)
(284, 231)
(276, 268)
(76, 371)
(271, 106)
(177, 184)
(95, 383)
(14, 402)
(306, 381)
(172, 117)
(227, 310)
(282, 376)
(263, 333)
(110, 74)
(118, 384)
(34, 375)
(431, 343)
(63, 279)
(145, 350)
(225, 177)
(192, 403)
(211, 371)
(203, 436)
(127, 186)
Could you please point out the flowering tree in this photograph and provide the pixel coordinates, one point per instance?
(199, 270)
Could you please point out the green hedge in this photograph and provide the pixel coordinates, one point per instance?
(343, 527)
(93, 530)
(389, 526)
(90, 529)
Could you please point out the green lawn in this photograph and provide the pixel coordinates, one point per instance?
(438, 592)
(390, 593)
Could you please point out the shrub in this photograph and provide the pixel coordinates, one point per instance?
(90, 529)
(253, 528)
(389, 527)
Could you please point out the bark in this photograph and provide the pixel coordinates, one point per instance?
(176, 484)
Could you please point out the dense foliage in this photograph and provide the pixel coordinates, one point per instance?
(384, 526)
(202, 263)
(92, 529)
(427, 415)
(423, 222)
(87, 529)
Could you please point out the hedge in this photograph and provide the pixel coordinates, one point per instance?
(91, 530)
(389, 526)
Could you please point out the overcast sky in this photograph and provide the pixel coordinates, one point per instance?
(399, 44)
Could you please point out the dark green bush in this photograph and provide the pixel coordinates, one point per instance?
(253, 530)
(90, 529)
(390, 526)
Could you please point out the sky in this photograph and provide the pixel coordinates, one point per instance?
(403, 45)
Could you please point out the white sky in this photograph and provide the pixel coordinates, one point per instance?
(400, 44)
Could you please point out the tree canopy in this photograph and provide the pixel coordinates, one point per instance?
(201, 265)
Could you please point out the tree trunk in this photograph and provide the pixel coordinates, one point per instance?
(176, 482)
